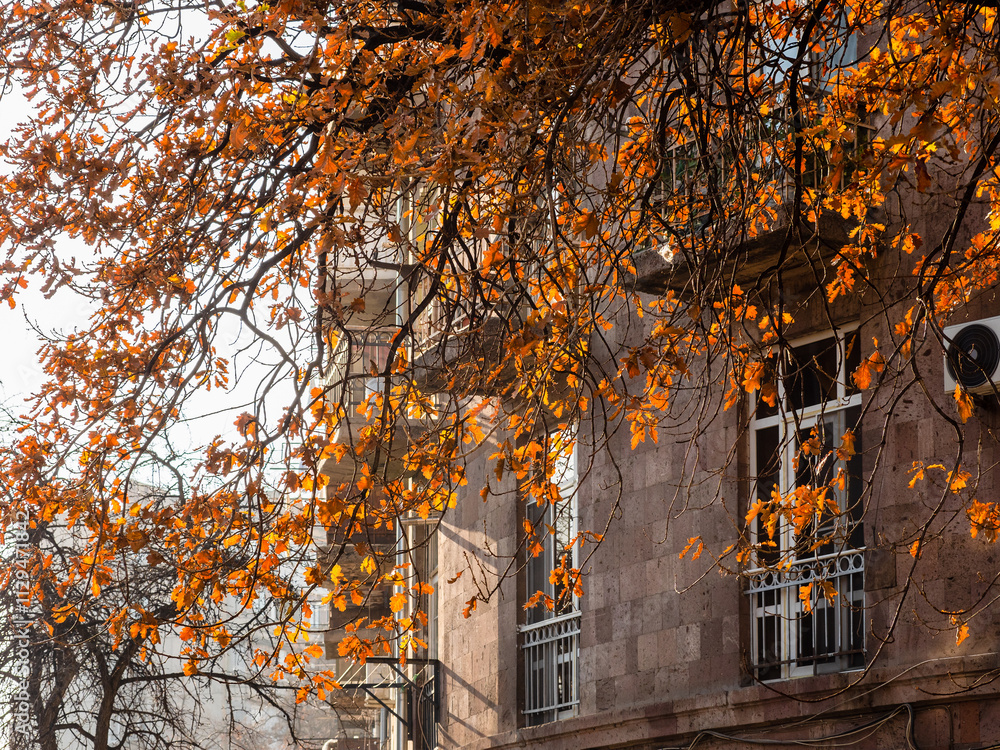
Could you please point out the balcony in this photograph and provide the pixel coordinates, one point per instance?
(356, 355)
(468, 355)
(737, 253)
(551, 652)
(387, 685)
(354, 376)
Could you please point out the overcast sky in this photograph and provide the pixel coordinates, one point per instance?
(21, 374)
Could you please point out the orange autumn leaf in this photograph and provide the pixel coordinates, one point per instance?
(805, 597)
(696, 540)
(963, 403)
(846, 449)
(752, 375)
(397, 602)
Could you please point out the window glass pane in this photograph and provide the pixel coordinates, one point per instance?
(826, 627)
(811, 374)
(852, 353)
(805, 634)
(555, 527)
(560, 541)
(538, 568)
(768, 641)
(856, 644)
(852, 505)
(816, 471)
(768, 472)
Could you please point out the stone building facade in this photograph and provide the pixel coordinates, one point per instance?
(667, 650)
(664, 652)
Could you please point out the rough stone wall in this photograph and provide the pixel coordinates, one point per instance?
(479, 654)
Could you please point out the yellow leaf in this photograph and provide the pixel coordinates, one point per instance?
(336, 574)
(368, 564)
(397, 602)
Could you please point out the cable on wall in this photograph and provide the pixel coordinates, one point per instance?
(869, 727)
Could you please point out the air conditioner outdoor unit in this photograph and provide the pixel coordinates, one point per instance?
(972, 359)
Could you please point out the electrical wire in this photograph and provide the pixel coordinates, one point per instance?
(870, 727)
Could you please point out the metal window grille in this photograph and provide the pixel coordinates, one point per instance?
(551, 650)
(790, 642)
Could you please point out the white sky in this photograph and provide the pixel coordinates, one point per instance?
(21, 373)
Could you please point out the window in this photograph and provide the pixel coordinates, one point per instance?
(816, 403)
(833, 46)
(320, 618)
(550, 640)
(561, 524)
(422, 543)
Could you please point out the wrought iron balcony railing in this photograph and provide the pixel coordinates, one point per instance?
(788, 641)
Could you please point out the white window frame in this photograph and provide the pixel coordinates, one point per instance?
(550, 641)
(567, 479)
(776, 613)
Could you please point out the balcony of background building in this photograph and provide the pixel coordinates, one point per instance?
(396, 705)
(354, 379)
